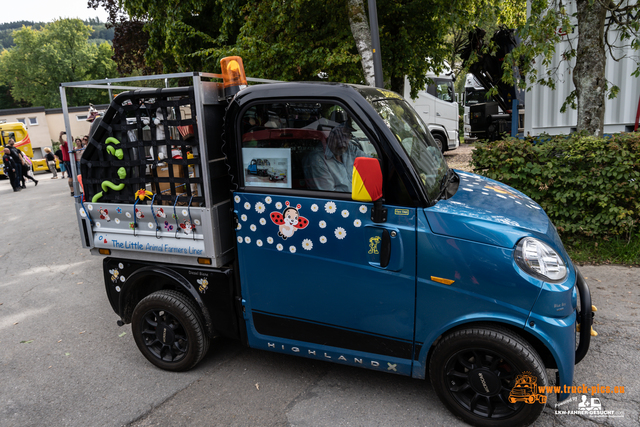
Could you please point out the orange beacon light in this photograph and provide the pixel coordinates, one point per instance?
(233, 76)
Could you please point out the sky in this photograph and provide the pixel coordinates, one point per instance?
(47, 10)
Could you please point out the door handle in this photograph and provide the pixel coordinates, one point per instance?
(385, 248)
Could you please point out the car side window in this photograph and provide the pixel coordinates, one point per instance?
(301, 145)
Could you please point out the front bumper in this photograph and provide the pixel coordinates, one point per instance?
(584, 317)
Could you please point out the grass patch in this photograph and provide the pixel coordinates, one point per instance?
(611, 250)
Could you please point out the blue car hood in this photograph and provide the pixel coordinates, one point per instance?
(487, 211)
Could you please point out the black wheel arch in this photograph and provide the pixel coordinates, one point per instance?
(141, 283)
(540, 348)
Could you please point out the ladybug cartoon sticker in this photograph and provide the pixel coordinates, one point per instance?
(187, 227)
(289, 221)
(104, 214)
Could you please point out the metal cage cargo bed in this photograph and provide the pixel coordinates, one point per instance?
(153, 176)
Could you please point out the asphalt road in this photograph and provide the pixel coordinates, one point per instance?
(65, 362)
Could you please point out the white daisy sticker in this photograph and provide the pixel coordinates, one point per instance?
(239, 227)
(340, 233)
(247, 239)
(253, 227)
(307, 244)
(118, 289)
(259, 207)
(237, 199)
(357, 223)
(292, 249)
(117, 220)
(98, 224)
(83, 214)
(269, 240)
(345, 213)
(128, 214)
(363, 209)
(330, 207)
(90, 207)
(239, 239)
(259, 242)
(263, 221)
(247, 205)
(150, 225)
(243, 217)
(314, 208)
(196, 221)
(268, 200)
(279, 246)
(122, 279)
(322, 224)
(184, 212)
(120, 266)
(278, 205)
(323, 239)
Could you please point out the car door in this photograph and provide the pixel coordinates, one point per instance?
(314, 274)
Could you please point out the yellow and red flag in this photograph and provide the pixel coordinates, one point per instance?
(366, 181)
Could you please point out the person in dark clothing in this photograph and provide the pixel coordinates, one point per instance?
(51, 162)
(58, 154)
(10, 168)
(17, 158)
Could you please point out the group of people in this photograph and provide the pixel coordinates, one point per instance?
(17, 166)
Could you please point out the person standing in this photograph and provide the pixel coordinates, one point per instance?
(51, 162)
(19, 161)
(26, 169)
(58, 155)
(66, 159)
(10, 168)
(79, 149)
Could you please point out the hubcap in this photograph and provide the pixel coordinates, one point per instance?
(480, 381)
(164, 336)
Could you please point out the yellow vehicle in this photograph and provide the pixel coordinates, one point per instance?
(19, 133)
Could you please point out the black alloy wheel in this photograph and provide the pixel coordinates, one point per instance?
(168, 330)
(474, 371)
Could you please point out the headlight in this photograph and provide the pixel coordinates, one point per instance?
(539, 260)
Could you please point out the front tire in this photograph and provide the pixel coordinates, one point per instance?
(473, 371)
(440, 141)
(168, 330)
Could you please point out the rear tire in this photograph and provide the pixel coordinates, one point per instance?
(473, 371)
(168, 330)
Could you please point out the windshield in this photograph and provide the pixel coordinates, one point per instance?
(417, 142)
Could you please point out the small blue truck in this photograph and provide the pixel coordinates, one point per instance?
(372, 253)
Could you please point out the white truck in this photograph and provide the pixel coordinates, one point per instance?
(438, 108)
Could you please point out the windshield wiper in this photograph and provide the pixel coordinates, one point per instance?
(446, 179)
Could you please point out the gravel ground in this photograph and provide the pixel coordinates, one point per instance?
(460, 158)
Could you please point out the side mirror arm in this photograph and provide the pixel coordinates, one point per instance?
(379, 212)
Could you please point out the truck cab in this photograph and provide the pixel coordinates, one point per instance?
(369, 251)
(438, 108)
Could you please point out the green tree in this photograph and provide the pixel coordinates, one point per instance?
(604, 29)
(60, 52)
(304, 39)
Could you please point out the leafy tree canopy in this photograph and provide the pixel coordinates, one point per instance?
(59, 52)
(305, 39)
